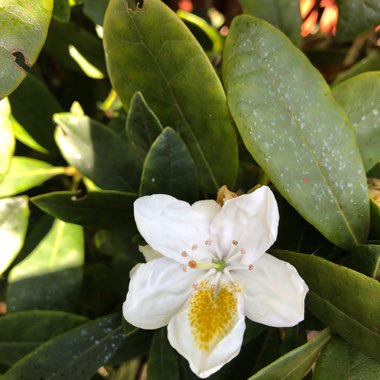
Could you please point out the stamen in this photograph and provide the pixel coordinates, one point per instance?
(184, 269)
(184, 254)
(235, 242)
(250, 267)
(208, 242)
(194, 247)
(218, 265)
(243, 250)
(192, 264)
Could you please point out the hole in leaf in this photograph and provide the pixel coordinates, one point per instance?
(20, 60)
(134, 4)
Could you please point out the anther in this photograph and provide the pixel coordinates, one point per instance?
(208, 242)
(192, 264)
(194, 247)
(235, 242)
(184, 269)
(243, 250)
(184, 254)
(250, 267)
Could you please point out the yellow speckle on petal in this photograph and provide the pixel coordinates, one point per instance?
(212, 313)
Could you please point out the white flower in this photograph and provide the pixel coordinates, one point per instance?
(206, 269)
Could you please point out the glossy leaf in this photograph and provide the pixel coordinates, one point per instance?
(33, 107)
(14, 216)
(143, 126)
(62, 10)
(104, 209)
(355, 17)
(177, 80)
(163, 359)
(283, 14)
(76, 354)
(50, 277)
(343, 299)
(295, 364)
(25, 173)
(7, 138)
(295, 130)
(96, 151)
(23, 332)
(23, 29)
(169, 168)
(364, 259)
(360, 99)
(339, 360)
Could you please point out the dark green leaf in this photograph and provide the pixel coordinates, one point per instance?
(95, 10)
(339, 360)
(74, 355)
(25, 173)
(345, 300)
(96, 151)
(360, 98)
(33, 107)
(177, 80)
(364, 259)
(163, 359)
(295, 130)
(23, 332)
(62, 10)
(296, 363)
(23, 29)
(51, 276)
(104, 209)
(169, 168)
(7, 138)
(14, 217)
(355, 17)
(143, 126)
(375, 219)
(283, 14)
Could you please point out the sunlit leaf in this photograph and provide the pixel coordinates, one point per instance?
(177, 80)
(23, 332)
(295, 130)
(104, 209)
(25, 173)
(14, 216)
(360, 98)
(62, 10)
(345, 300)
(23, 29)
(76, 354)
(50, 277)
(6, 137)
(295, 364)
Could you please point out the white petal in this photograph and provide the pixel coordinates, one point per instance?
(157, 290)
(274, 292)
(207, 208)
(205, 362)
(149, 253)
(172, 227)
(251, 220)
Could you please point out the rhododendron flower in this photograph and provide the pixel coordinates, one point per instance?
(207, 269)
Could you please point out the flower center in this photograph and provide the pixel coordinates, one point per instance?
(212, 313)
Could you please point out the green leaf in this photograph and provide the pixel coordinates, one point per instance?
(169, 168)
(355, 17)
(95, 10)
(177, 80)
(283, 14)
(163, 359)
(76, 354)
(25, 173)
(62, 10)
(103, 209)
(295, 130)
(23, 332)
(51, 276)
(345, 300)
(143, 126)
(364, 259)
(369, 63)
(295, 364)
(360, 99)
(375, 219)
(96, 151)
(7, 139)
(14, 216)
(341, 361)
(33, 107)
(23, 29)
